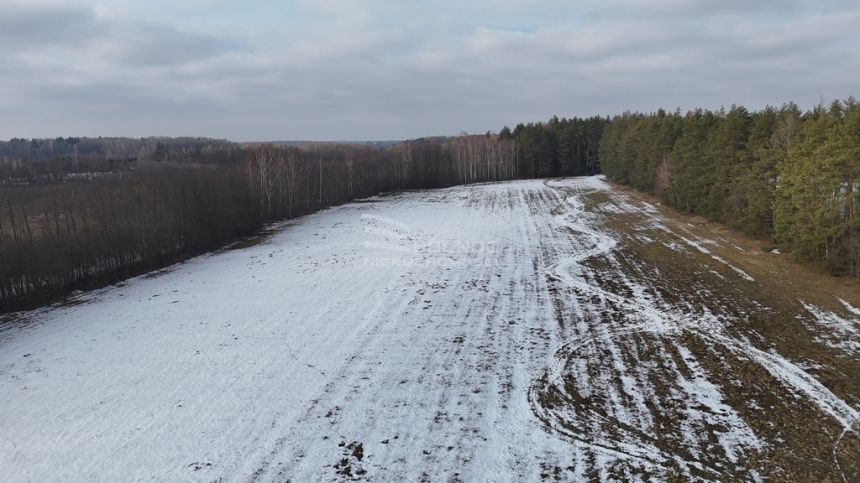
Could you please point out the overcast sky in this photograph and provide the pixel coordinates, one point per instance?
(386, 69)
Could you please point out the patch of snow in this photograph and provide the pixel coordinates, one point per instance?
(737, 270)
(676, 247)
(717, 274)
(854, 310)
(833, 330)
(611, 208)
(698, 246)
(649, 207)
(735, 435)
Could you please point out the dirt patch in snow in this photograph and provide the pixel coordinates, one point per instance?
(694, 356)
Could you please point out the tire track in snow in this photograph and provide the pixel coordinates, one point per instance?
(659, 322)
(469, 360)
(572, 206)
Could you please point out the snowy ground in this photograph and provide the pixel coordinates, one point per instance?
(528, 330)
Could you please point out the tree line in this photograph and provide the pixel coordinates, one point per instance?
(59, 237)
(779, 172)
(56, 237)
(785, 174)
(559, 147)
(55, 159)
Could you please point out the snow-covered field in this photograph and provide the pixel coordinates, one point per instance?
(526, 330)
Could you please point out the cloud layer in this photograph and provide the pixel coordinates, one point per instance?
(381, 69)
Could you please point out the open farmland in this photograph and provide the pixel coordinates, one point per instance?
(532, 330)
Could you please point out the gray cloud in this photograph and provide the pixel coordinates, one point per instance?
(148, 44)
(384, 69)
(26, 26)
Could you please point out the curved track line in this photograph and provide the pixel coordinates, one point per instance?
(661, 322)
